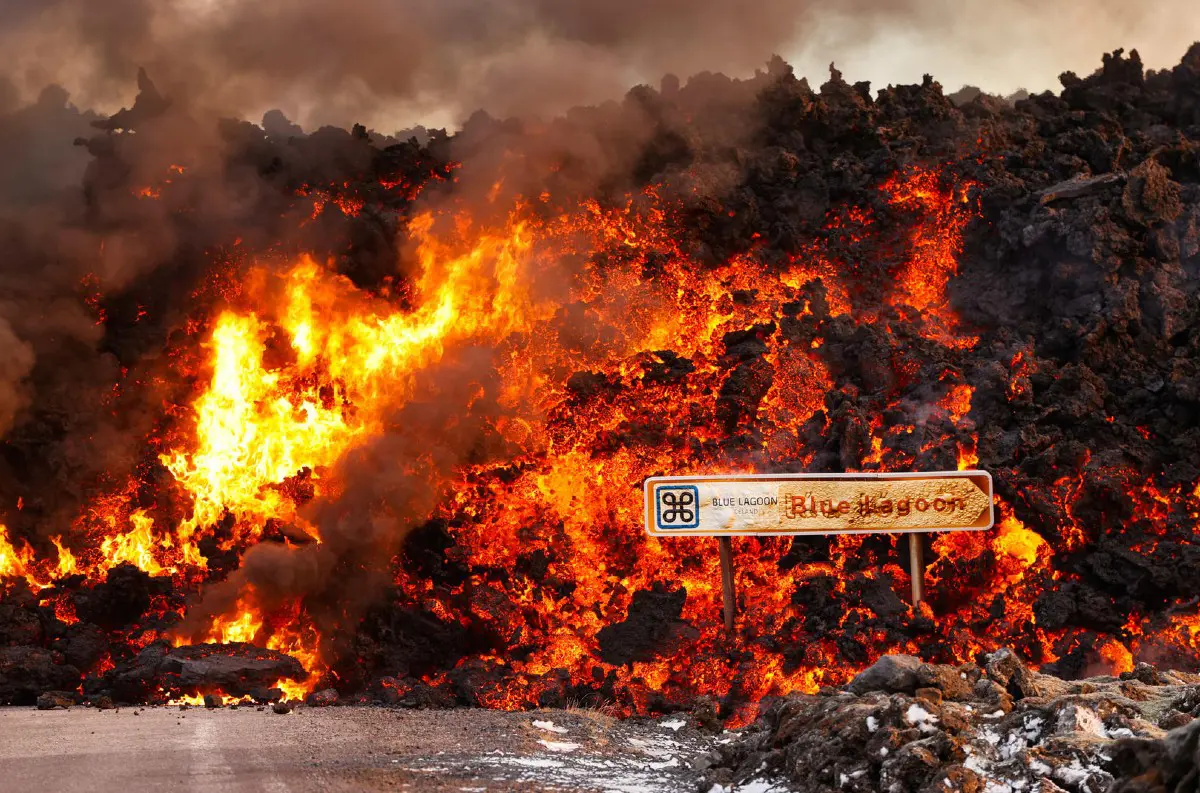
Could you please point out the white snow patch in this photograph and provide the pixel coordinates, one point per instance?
(872, 724)
(649, 762)
(1033, 727)
(1074, 774)
(844, 779)
(918, 716)
(550, 726)
(536, 762)
(757, 786)
(674, 724)
(559, 746)
(661, 748)
(976, 764)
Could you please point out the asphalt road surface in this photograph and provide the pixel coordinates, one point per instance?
(131, 750)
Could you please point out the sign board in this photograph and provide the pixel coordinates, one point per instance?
(783, 504)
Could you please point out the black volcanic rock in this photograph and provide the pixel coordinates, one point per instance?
(1168, 765)
(650, 629)
(50, 700)
(891, 673)
(26, 672)
(236, 669)
(134, 680)
(19, 623)
(84, 645)
(1068, 738)
(121, 599)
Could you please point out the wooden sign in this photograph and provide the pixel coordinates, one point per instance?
(783, 504)
(790, 504)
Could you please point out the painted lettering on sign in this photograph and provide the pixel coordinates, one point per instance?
(819, 503)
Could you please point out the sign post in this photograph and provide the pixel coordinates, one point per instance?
(764, 505)
(727, 590)
(916, 567)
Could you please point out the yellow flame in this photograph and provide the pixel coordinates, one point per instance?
(242, 628)
(254, 429)
(296, 692)
(13, 563)
(137, 546)
(67, 565)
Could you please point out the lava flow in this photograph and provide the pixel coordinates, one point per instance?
(387, 431)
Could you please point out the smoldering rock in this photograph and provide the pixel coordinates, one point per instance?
(323, 698)
(265, 696)
(878, 595)
(85, 644)
(135, 679)
(26, 672)
(891, 673)
(419, 694)
(667, 367)
(743, 391)
(50, 700)
(1006, 668)
(651, 628)
(120, 599)
(19, 622)
(235, 668)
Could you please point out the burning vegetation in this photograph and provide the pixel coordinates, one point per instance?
(296, 412)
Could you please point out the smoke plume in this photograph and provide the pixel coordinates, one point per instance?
(377, 60)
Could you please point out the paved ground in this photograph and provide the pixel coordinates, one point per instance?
(342, 748)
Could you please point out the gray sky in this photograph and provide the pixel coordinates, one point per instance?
(999, 48)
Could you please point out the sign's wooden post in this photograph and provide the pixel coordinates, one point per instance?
(916, 567)
(727, 591)
(767, 505)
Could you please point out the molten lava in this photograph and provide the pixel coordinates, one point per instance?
(620, 357)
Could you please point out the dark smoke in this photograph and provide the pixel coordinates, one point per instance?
(372, 60)
(393, 484)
